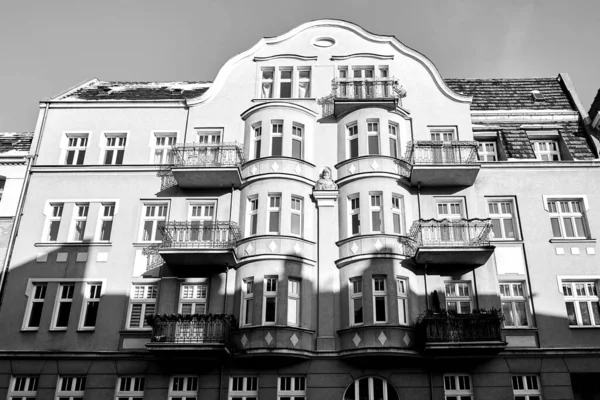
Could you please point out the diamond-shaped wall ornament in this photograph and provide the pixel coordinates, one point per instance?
(272, 246)
(406, 339)
(352, 168)
(354, 248)
(249, 249)
(378, 245)
(244, 340)
(382, 338)
(268, 338)
(297, 248)
(298, 169)
(294, 339)
(253, 170)
(275, 166)
(356, 340)
(375, 166)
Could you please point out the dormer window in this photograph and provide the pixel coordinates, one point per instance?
(103, 90)
(538, 96)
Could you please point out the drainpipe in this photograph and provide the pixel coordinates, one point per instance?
(430, 386)
(426, 290)
(419, 198)
(475, 286)
(187, 119)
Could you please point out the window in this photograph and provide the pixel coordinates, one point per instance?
(354, 203)
(274, 213)
(192, 299)
(296, 216)
(458, 297)
(63, 307)
(447, 233)
(397, 214)
(376, 225)
(303, 83)
(285, 83)
(379, 299)
(356, 301)
(183, 388)
(581, 299)
(526, 387)
(163, 147)
(53, 221)
(141, 304)
(297, 135)
(33, 315)
(292, 388)
(243, 388)
(2, 184)
(247, 301)
(373, 137)
(393, 136)
(442, 135)
(276, 138)
(567, 219)
(402, 292)
(23, 388)
(257, 140)
(514, 305)
(293, 302)
(252, 215)
(130, 388)
(80, 214)
(107, 213)
(266, 91)
(546, 150)
(353, 141)
(115, 148)
(76, 146)
(201, 218)
(153, 217)
(370, 388)
(486, 151)
(70, 388)
(363, 85)
(91, 302)
(270, 301)
(458, 387)
(209, 136)
(501, 213)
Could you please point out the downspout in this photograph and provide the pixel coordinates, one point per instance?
(221, 383)
(419, 198)
(187, 119)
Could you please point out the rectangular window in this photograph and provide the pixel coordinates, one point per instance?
(402, 292)
(207, 136)
(486, 151)
(354, 205)
(53, 221)
(201, 218)
(376, 217)
(153, 217)
(582, 302)
(303, 83)
(130, 388)
(243, 388)
(91, 303)
(373, 137)
(356, 301)
(292, 388)
(64, 302)
(76, 146)
(257, 140)
(142, 303)
(297, 137)
(266, 91)
(252, 215)
(107, 213)
(37, 297)
(546, 150)
(296, 216)
(247, 302)
(353, 141)
(293, 302)
(276, 138)
(526, 387)
(70, 388)
(270, 301)
(163, 147)
(514, 304)
(502, 214)
(568, 219)
(458, 387)
(115, 148)
(393, 136)
(442, 135)
(274, 212)
(80, 214)
(458, 297)
(23, 388)
(193, 298)
(379, 299)
(285, 83)
(398, 214)
(183, 388)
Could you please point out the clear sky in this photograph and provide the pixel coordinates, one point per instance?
(49, 46)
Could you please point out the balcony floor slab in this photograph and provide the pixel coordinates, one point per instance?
(207, 177)
(440, 255)
(444, 175)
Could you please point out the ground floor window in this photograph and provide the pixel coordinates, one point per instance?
(371, 388)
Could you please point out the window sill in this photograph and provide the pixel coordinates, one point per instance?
(86, 329)
(519, 328)
(506, 241)
(30, 329)
(274, 99)
(146, 244)
(584, 327)
(573, 240)
(57, 330)
(72, 244)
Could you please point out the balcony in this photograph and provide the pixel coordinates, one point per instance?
(446, 333)
(201, 166)
(443, 163)
(349, 94)
(199, 243)
(208, 334)
(449, 242)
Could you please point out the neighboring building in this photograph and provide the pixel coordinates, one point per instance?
(290, 224)
(595, 112)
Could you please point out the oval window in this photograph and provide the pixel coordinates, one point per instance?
(324, 42)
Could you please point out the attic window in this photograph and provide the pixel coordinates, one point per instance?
(103, 90)
(537, 95)
(177, 90)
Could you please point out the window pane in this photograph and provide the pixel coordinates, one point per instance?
(508, 314)
(380, 309)
(276, 149)
(53, 235)
(521, 316)
(397, 226)
(36, 315)
(354, 148)
(373, 144)
(571, 313)
(106, 230)
(393, 148)
(585, 313)
(378, 388)
(580, 227)
(596, 312)
(292, 311)
(363, 389)
(248, 319)
(568, 227)
(509, 229)
(253, 222)
(358, 314)
(296, 149)
(496, 229)
(295, 224)
(376, 219)
(270, 309)
(556, 232)
(91, 313)
(285, 88)
(64, 309)
(120, 154)
(274, 221)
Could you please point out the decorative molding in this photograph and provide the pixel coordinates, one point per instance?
(285, 56)
(367, 55)
(277, 104)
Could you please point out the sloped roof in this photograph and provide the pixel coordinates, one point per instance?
(107, 90)
(15, 142)
(512, 94)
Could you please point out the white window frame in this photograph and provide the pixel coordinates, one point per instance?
(247, 305)
(36, 293)
(243, 387)
(373, 131)
(352, 134)
(484, 154)
(202, 213)
(526, 386)
(374, 208)
(398, 210)
(294, 303)
(303, 80)
(277, 128)
(105, 215)
(298, 137)
(79, 144)
(130, 387)
(256, 141)
(393, 136)
(355, 284)
(290, 80)
(354, 386)
(195, 295)
(353, 209)
(458, 387)
(582, 292)
(252, 215)
(267, 81)
(80, 215)
(54, 212)
(459, 298)
(93, 292)
(546, 148)
(162, 153)
(189, 386)
(378, 292)
(70, 387)
(156, 219)
(502, 215)
(513, 293)
(269, 293)
(402, 290)
(146, 295)
(23, 387)
(297, 209)
(442, 134)
(274, 198)
(62, 296)
(209, 136)
(554, 206)
(120, 144)
(291, 387)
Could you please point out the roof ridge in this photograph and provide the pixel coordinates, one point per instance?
(501, 79)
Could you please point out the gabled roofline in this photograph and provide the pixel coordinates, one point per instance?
(72, 89)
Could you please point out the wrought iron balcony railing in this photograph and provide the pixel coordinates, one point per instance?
(191, 329)
(441, 153)
(200, 234)
(208, 155)
(462, 328)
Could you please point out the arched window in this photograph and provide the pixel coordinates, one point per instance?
(371, 388)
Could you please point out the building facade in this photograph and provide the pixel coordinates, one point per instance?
(328, 219)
